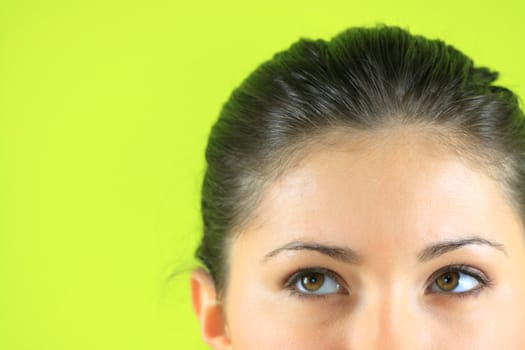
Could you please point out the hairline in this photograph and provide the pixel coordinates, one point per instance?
(449, 139)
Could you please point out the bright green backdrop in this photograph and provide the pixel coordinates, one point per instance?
(105, 108)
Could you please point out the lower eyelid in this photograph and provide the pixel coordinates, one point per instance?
(475, 273)
(483, 281)
(471, 293)
(292, 281)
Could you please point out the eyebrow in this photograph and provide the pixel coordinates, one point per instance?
(343, 254)
(348, 255)
(438, 249)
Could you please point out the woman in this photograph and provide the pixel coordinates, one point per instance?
(365, 193)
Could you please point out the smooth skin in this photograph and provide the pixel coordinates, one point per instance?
(386, 243)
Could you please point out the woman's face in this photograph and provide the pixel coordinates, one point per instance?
(390, 243)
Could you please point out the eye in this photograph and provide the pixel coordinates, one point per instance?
(458, 279)
(315, 282)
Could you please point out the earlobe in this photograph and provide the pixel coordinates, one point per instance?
(208, 310)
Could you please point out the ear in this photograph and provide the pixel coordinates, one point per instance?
(209, 311)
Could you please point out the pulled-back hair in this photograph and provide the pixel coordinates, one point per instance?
(363, 79)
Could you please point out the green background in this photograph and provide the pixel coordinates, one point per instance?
(105, 107)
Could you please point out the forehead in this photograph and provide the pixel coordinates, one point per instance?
(399, 187)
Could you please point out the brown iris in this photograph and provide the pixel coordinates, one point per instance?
(312, 281)
(448, 281)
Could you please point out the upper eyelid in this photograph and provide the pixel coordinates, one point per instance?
(466, 269)
(293, 278)
(476, 273)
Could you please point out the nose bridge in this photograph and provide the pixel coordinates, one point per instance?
(390, 321)
(396, 323)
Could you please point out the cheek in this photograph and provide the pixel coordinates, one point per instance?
(259, 318)
(258, 328)
(506, 319)
(502, 320)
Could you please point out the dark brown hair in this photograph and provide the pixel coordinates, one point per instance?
(363, 79)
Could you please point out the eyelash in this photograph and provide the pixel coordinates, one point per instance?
(481, 277)
(478, 275)
(291, 282)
